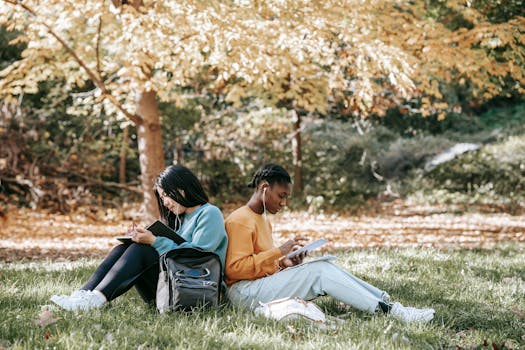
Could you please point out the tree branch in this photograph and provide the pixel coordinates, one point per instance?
(97, 81)
(93, 182)
(37, 192)
(92, 92)
(99, 29)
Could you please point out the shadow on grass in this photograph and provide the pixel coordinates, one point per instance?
(458, 314)
(10, 255)
(409, 277)
(441, 285)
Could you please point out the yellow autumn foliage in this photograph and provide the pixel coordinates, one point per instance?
(366, 56)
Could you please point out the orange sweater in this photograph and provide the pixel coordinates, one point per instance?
(250, 253)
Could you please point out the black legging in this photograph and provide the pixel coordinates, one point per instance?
(127, 265)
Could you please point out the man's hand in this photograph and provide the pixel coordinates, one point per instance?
(140, 235)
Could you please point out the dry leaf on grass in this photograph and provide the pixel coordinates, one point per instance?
(46, 318)
(5, 344)
(518, 311)
(39, 235)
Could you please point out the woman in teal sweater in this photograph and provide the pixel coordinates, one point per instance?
(183, 206)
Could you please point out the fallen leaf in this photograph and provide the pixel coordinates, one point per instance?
(46, 318)
(518, 311)
(510, 344)
(5, 344)
(462, 334)
(26, 234)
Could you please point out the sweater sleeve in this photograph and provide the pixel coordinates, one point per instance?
(208, 234)
(242, 263)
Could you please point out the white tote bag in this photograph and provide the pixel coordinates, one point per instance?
(291, 308)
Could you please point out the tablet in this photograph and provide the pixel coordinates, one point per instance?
(308, 247)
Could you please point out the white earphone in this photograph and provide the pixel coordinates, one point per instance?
(264, 203)
(178, 221)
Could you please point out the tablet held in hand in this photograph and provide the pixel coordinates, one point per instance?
(314, 245)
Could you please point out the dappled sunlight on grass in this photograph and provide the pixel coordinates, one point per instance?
(47, 265)
(477, 295)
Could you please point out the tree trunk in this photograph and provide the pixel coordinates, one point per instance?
(179, 152)
(123, 155)
(297, 155)
(151, 152)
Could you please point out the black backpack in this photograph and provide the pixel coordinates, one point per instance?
(189, 278)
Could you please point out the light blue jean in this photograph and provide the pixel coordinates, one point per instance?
(308, 281)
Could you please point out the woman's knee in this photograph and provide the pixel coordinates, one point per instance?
(143, 251)
(320, 267)
(142, 248)
(119, 249)
(241, 296)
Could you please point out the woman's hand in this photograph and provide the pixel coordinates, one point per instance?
(298, 259)
(140, 235)
(289, 246)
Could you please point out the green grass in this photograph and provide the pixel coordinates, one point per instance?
(479, 297)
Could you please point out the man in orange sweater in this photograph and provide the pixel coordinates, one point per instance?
(256, 271)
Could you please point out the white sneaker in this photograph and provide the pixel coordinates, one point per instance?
(84, 300)
(411, 314)
(57, 299)
(79, 293)
(385, 297)
(75, 294)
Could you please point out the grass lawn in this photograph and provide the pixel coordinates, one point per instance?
(479, 297)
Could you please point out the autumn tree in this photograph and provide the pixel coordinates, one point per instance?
(304, 56)
(396, 55)
(64, 43)
(135, 55)
(463, 57)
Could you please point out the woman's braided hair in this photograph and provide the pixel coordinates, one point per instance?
(271, 173)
